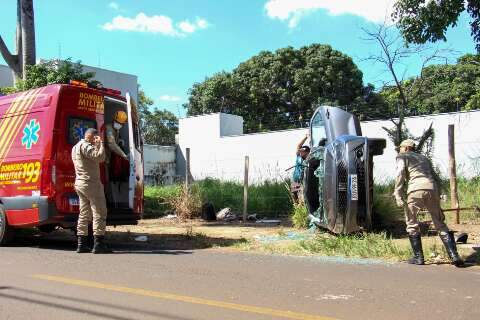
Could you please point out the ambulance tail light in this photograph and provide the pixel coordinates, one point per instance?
(48, 182)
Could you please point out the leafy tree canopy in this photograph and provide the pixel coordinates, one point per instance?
(422, 21)
(157, 126)
(441, 88)
(278, 90)
(51, 72)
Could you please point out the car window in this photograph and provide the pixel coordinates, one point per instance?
(77, 127)
(318, 129)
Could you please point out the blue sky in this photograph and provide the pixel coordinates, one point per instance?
(170, 45)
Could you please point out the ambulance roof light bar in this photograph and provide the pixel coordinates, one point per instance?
(97, 86)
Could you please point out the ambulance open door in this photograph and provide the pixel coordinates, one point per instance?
(135, 180)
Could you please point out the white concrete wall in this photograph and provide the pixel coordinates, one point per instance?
(116, 80)
(222, 156)
(467, 142)
(159, 157)
(6, 76)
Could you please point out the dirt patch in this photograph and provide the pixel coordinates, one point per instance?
(263, 238)
(231, 230)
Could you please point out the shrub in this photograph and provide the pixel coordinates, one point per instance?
(187, 204)
(386, 214)
(269, 199)
(157, 200)
(299, 216)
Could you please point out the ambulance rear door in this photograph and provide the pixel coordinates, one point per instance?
(135, 181)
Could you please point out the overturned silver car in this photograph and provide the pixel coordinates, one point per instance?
(338, 173)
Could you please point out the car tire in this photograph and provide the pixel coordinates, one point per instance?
(6, 232)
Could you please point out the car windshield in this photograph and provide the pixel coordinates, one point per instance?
(318, 129)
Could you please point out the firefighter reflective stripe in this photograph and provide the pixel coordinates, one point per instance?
(14, 119)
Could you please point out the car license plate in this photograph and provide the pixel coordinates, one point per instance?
(354, 187)
(74, 201)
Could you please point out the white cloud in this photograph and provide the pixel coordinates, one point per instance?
(202, 23)
(168, 98)
(292, 11)
(188, 27)
(114, 5)
(154, 24)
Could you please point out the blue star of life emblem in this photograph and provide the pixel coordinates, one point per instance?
(31, 134)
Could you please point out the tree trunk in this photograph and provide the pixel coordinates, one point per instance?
(18, 41)
(28, 34)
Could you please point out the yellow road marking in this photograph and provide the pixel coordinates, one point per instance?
(187, 299)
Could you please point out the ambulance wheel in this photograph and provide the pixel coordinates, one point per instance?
(6, 232)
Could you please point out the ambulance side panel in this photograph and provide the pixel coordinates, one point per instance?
(26, 139)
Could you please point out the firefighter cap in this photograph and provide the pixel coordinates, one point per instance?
(120, 117)
(408, 143)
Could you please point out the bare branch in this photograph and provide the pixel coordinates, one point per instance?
(10, 59)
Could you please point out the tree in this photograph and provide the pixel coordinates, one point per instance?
(440, 88)
(279, 90)
(422, 21)
(25, 54)
(398, 92)
(157, 126)
(160, 127)
(446, 88)
(54, 71)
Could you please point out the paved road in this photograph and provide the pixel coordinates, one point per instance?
(49, 281)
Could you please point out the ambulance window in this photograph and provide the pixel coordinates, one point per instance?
(136, 136)
(77, 128)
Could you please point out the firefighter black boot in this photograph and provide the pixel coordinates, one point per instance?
(416, 242)
(99, 245)
(82, 246)
(449, 243)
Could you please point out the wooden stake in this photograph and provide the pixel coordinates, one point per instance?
(245, 189)
(453, 173)
(187, 169)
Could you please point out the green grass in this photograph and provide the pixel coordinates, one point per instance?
(468, 196)
(271, 199)
(300, 216)
(386, 214)
(369, 245)
(156, 199)
(267, 199)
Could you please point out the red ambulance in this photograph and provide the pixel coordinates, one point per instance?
(38, 129)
